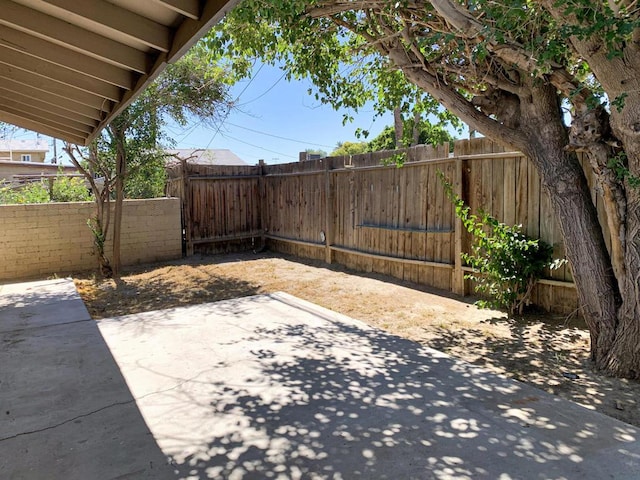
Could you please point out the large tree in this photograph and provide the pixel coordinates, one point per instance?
(515, 70)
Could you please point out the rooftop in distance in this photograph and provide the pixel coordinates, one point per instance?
(24, 145)
(211, 156)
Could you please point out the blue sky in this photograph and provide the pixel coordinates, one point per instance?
(274, 120)
(269, 107)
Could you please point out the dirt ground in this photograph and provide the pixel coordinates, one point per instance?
(544, 351)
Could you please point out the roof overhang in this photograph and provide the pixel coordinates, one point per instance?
(68, 67)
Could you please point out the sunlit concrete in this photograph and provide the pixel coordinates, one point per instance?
(274, 387)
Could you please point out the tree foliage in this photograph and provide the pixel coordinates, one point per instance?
(350, 148)
(129, 155)
(514, 70)
(428, 135)
(62, 188)
(506, 262)
(386, 140)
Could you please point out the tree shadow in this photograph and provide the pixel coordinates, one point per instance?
(540, 351)
(320, 396)
(126, 295)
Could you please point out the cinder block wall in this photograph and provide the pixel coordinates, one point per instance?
(53, 238)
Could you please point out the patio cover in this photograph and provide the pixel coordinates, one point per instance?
(67, 67)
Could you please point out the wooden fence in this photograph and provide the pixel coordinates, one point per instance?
(374, 218)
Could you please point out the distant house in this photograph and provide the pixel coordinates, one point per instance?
(23, 150)
(23, 160)
(211, 156)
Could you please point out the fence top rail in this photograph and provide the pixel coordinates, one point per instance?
(351, 168)
(432, 161)
(221, 177)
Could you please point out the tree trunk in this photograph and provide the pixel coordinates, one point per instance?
(398, 125)
(619, 76)
(564, 181)
(415, 138)
(624, 358)
(119, 186)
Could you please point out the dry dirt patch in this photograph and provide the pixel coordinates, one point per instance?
(545, 351)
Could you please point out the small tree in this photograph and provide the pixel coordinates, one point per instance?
(132, 144)
(350, 148)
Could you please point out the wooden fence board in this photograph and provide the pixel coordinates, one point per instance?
(382, 219)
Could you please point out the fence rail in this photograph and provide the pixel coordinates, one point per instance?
(376, 218)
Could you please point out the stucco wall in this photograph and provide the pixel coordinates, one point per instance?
(45, 239)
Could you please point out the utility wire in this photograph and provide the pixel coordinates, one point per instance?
(263, 93)
(279, 137)
(256, 146)
(226, 115)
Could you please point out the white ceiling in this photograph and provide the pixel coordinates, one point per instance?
(67, 67)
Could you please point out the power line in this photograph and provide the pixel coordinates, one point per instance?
(264, 93)
(229, 109)
(256, 146)
(279, 137)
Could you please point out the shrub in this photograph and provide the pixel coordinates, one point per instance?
(70, 189)
(506, 262)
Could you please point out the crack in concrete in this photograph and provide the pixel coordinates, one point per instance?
(77, 417)
(116, 404)
(36, 327)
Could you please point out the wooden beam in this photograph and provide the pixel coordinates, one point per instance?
(119, 19)
(228, 238)
(187, 35)
(293, 241)
(408, 261)
(329, 214)
(50, 52)
(46, 129)
(71, 36)
(54, 88)
(46, 118)
(188, 8)
(190, 31)
(457, 280)
(49, 70)
(129, 96)
(46, 106)
(15, 88)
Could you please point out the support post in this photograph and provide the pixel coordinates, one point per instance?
(186, 205)
(329, 214)
(457, 281)
(262, 197)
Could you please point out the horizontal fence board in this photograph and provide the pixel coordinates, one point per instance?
(372, 217)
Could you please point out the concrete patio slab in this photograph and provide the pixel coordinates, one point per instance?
(269, 387)
(65, 409)
(272, 387)
(40, 303)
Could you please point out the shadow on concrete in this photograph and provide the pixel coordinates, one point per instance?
(66, 411)
(540, 351)
(285, 389)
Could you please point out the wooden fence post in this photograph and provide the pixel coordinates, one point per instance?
(458, 275)
(262, 197)
(329, 214)
(187, 208)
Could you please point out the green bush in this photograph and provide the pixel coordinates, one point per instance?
(506, 262)
(36, 192)
(70, 189)
(65, 189)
